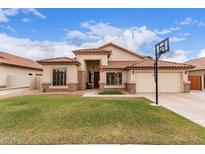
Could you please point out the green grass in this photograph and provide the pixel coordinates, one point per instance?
(57, 119)
(110, 92)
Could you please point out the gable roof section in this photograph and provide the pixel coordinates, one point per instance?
(59, 60)
(118, 64)
(12, 60)
(124, 49)
(91, 51)
(148, 63)
(199, 63)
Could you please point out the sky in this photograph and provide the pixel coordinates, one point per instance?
(46, 33)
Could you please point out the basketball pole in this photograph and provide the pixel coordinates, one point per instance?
(156, 75)
(160, 48)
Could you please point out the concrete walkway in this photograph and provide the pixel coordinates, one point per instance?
(190, 105)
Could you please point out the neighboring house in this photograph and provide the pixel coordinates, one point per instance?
(112, 67)
(197, 75)
(15, 72)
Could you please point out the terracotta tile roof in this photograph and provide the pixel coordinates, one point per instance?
(92, 51)
(119, 47)
(118, 64)
(58, 60)
(161, 64)
(199, 63)
(9, 59)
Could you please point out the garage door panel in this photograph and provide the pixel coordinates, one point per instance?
(145, 82)
(168, 82)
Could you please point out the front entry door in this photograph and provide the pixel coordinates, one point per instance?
(96, 79)
(195, 82)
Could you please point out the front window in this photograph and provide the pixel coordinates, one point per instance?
(114, 78)
(59, 77)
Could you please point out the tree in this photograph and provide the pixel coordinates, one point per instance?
(149, 57)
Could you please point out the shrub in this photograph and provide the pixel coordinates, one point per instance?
(110, 92)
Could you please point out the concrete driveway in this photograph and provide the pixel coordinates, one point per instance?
(190, 106)
(17, 92)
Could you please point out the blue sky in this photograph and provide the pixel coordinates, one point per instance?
(44, 33)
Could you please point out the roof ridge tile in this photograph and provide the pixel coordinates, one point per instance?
(58, 60)
(91, 50)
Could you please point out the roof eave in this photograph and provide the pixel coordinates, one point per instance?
(59, 63)
(21, 66)
(134, 68)
(113, 68)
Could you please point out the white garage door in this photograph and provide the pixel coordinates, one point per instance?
(168, 82)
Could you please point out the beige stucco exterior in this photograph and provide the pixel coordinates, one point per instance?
(120, 55)
(16, 77)
(82, 59)
(141, 80)
(72, 73)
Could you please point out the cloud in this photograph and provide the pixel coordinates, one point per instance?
(100, 29)
(11, 12)
(202, 53)
(3, 17)
(6, 13)
(176, 56)
(189, 20)
(34, 49)
(94, 34)
(25, 20)
(186, 21)
(91, 34)
(36, 31)
(177, 39)
(201, 23)
(34, 12)
(75, 34)
(167, 31)
(186, 34)
(11, 29)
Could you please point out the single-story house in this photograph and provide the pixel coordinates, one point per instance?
(112, 67)
(197, 74)
(15, 71)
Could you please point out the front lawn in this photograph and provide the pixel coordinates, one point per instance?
(61, 119)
